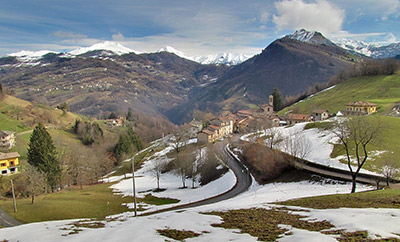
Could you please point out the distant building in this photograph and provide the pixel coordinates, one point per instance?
(320, 115)
(360, 108)
(114, 122)
(9, 163)
(194, 127)
(266, 109)
(216, 129)
(7, 139)
(294, 118)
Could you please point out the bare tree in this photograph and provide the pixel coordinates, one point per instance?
(194, 166)
(35, 181)
(297, 147)
(355, 134)
(179, 140)
(273, 135)
(390, 168)
(159, 165)
(183, 164)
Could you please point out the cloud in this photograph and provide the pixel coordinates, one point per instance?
(381, 10)
(264, 17)
(392, 8)
(68, 35)
(320, 15)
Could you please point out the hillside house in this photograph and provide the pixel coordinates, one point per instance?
(114, 122)
(9, 163)
(7, 139)
(360, 108)
(320, 115)
(295, 118)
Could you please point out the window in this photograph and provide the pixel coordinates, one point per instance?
(3, 164)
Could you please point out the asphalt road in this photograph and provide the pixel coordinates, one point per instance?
(7, 221)
(243, 182)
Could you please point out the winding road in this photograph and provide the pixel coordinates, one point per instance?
(243, 181)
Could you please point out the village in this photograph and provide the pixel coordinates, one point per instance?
(244, 121)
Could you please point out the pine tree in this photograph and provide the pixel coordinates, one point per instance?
(1, 89)
(129, 116)
(277, 99)
(42, 155)
(127, 144)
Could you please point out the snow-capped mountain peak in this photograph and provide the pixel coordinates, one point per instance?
(30, 56)
(222, 58)
(172, 50)
(111, 46)
(311, 37)
(302, 35)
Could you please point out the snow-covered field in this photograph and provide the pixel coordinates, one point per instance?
(320, 143)
(125, 227)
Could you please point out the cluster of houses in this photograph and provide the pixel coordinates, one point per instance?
(240, 121)
(8, 161)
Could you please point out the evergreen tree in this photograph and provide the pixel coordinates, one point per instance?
(1, 89)
(127, 144)
(129, 116)
(277, 99)
(42, 155)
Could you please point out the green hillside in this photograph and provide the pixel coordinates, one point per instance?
(382, 90)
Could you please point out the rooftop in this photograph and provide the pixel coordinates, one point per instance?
(11, 155)
(361, 104)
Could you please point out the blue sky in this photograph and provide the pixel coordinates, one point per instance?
(195, 27)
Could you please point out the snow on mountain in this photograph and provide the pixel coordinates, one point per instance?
(172, 50)
(302, 35)
(222, 58)
(113, 47)
(361, 47)
(354, 45)
(369, 49)
(311, 37)
(26, 56)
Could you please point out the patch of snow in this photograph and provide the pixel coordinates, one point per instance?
(300, 235)
(356, 219)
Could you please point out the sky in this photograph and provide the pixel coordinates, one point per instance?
(195, 27)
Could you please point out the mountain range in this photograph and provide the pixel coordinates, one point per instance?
(109, 77)
(109, 48)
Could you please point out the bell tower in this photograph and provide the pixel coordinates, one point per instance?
(271, 100)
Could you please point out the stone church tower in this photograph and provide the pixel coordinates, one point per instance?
(271, 100)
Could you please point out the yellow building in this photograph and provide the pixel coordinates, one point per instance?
(9, 163)
(360, 107)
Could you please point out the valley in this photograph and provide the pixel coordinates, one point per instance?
(111, 111)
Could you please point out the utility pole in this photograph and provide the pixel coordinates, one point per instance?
(134, 186)
(133, 178)
(13, 195)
